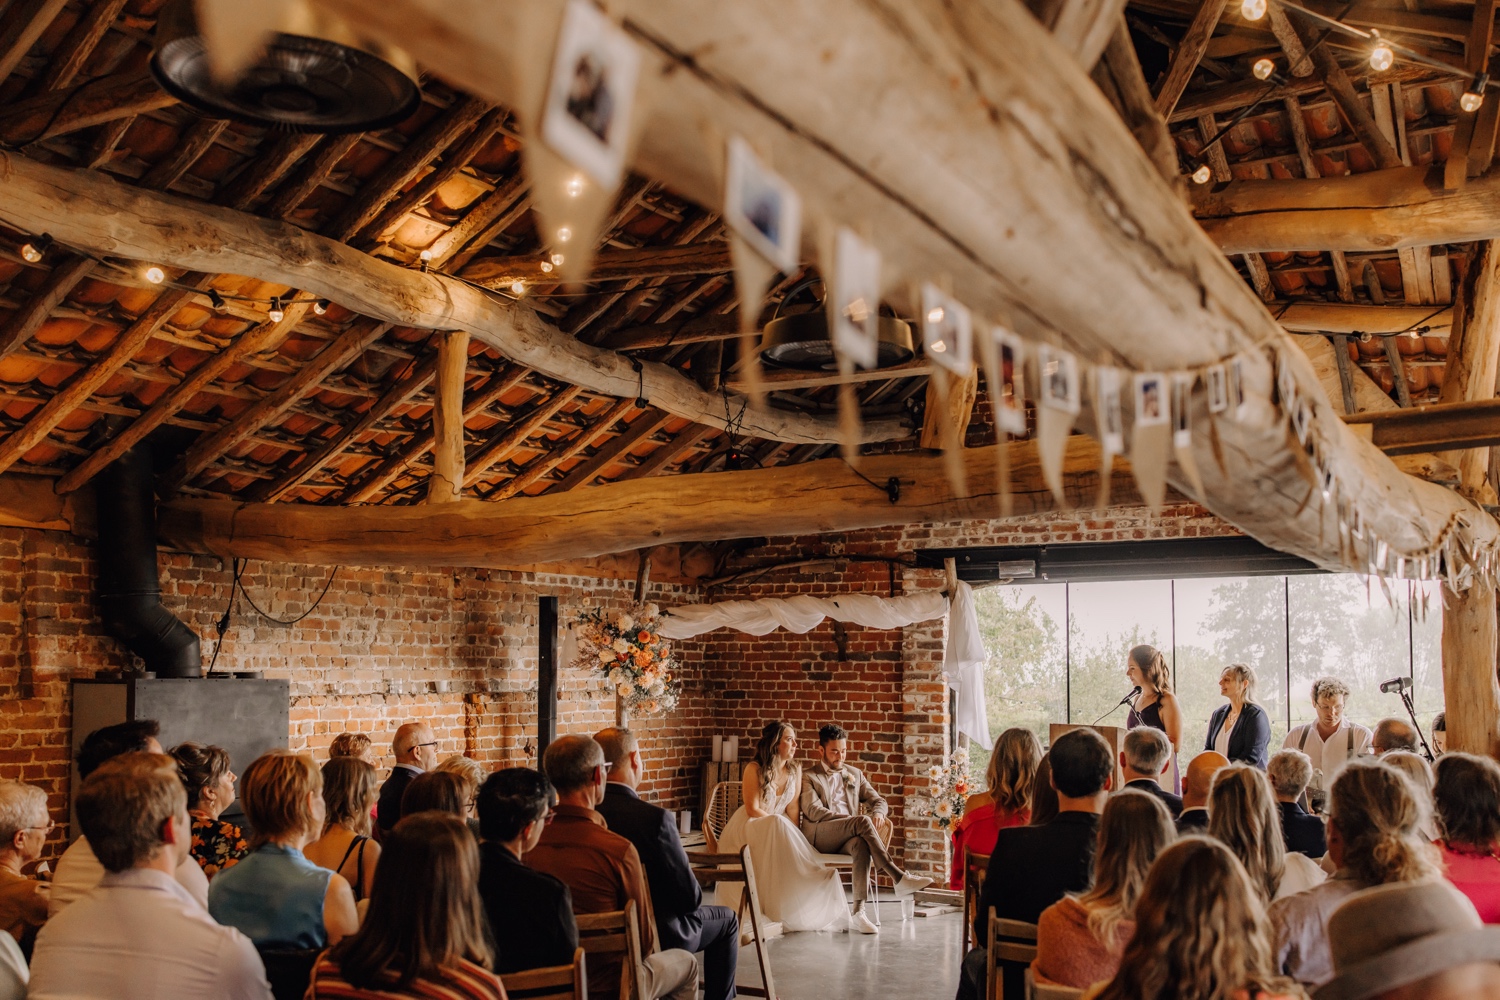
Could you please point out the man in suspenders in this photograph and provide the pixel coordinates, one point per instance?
(1330, 741)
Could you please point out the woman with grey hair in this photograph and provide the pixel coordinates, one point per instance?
(24, 825)
(1241, 729)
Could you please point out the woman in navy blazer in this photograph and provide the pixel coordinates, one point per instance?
(1247, 726)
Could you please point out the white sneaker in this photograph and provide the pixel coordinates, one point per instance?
(912, 883)
(862, 923)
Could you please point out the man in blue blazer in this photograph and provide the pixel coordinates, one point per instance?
(682, 919)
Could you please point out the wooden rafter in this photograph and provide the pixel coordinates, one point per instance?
(317, 170)
(79, 44)
(96, 102)
(1189, 53)
(480, 136)
(512, 435)
(647, 424)
(651, 336)
(1360, 120)
(666, 454)
(25, 321)
(193, 144)
(1434, 428)
(266, 170)
(565, 452)
(23, 25)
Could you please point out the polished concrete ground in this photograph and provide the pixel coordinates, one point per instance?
(917, 958)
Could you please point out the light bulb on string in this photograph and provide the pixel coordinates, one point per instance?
(1382, 57)
(320, 307)
(1252, 10)
(564, 234)
(1474, 96)
(1263, 68)
(557, 260)
(518, 287)
(33, 249)
(276, 314)
(155, 275)
(575, 185)
(546, 267)
(1203, 174)
(216, 300)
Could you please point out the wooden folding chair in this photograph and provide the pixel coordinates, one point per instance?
(1049, 991)
(726, 798)
(710, 870)
(605, 935)
(975, 867)
(1012, 942)
(556, 982)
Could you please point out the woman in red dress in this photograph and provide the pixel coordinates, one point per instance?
(1011, 777)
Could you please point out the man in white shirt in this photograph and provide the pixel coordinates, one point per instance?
(139, 935)
(1331, 741)
(78, 871)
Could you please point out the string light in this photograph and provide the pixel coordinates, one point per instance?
(1203, 174)
(1263, 68)
(216, 300)
(426, 256)
(546, 267)
(33, 249)
(935, 315)
(518, 287)
(1474, 96)
(155, 275)
(575, 186)
(557, 260)
(276, 314)
(564, 234)
(1382, 57)
(320, 307)
(1253, 10)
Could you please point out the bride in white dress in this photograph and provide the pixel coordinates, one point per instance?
(795, 887)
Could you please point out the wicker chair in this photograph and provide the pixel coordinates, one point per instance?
(726, 798)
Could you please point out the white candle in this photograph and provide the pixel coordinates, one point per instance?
(718, 749)
(732, 749)
(685, 822)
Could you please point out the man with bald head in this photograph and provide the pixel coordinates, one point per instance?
(1200, 778)
(1393, 734)
(415, 750)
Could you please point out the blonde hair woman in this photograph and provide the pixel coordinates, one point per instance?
(1242, 813)
(1240, 730)
(1006, 801)
(1200, 933)
(795, 888)
(350, 787)
(1155, 706)
(1080, 938)
(275, 896)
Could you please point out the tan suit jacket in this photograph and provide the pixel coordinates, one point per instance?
(818, 795)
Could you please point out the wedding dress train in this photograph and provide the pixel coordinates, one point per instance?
(795, 888)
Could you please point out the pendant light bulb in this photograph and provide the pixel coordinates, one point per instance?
(33, 249)
(1253, 10)
(1474, 96)
(1203, 174)
(1382, 57)
(1263, 68)
(320, 307)
(518, 287)
(276, 314)
(155, 275)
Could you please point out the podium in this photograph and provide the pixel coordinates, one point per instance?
(1113, 735)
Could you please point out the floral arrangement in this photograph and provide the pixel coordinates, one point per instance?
(627, 651)
(948, 789)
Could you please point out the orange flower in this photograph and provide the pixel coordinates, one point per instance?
(644, 637)
(643, 659)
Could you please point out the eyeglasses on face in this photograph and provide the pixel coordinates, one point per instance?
(418, 746)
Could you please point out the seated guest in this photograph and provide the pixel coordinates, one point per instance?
(281, 900)
(1195, 787)
(1393, 734)
(603, 869)
(1372, 840)
(530, 912)
(1438, 950)
(1146, 756)
(1290, 771)
(1242, 815)
(24, 825)
(78, 870)
(349, 790)
(1467, 797)
(1415, 767)
(1006, 800)
(1080, 937)
(424, 936)
(1033, 867)
(210, 789)
(354, 745)
(473, 774)
(1200, 933)
(1440, 733)
(139, 935)
(682, 919)
(1043, 795)
(415, 750)
(440, 791)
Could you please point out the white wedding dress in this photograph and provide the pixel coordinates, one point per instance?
(795, 887)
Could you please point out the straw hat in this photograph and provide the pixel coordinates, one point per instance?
(1392, 935)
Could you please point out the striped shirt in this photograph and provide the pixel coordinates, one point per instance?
(465, 981)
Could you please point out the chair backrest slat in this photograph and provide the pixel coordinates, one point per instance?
(556, 982)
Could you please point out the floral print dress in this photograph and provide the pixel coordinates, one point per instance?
(217, 845)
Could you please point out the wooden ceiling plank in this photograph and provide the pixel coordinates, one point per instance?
(1338, 317)
(1299, 137)
(609, 265)
(22, 27)
(185, 152)
(644, 426)
(335, 356)
(1189, 53)
(496, 210)
(568, 451)
(667, 453)
(64, 65)
(500, 447)
(403, 168)
(268, 167)
(25, 321)
(293, 192)
(107, 99)
(446, 482)
(263, 337)
(1232, 97)
(398, 395)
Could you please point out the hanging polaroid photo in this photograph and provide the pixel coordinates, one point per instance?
(1059, 385)
(1182, 402)
(1108, 417)
(1217, 379)
(1012, 402)
(947, 331)
(1151, 399)
(586, 119)
(1237, 402)
(762, 207)
(856, 292)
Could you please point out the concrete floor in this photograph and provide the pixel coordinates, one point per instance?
(918, 958)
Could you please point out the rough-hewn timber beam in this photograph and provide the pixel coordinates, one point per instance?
(1189, 53)
(698, 330)
(60, 112)
(88, 210)
(1378, 210)
(644, 426)
(28, 318)
(813, 497)
(609, 265)
(447, 479)
(1439, 427)
(1340, 317)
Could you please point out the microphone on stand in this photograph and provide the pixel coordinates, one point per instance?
(1123, 701)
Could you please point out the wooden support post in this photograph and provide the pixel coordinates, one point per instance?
(947, 414)
(1474, 358)
(446, 482)
(1341, 275)
(1346, 375)
(1471, 693)
(546, 671)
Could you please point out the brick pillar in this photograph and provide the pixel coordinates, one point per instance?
(924, 698)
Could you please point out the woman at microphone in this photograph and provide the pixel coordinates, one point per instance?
(1156, 705)
(1241, 729)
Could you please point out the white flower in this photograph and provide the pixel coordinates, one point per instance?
(624, 690)
(624, 622)
(935, 772)
(656, 686)
(944, 808)
(621, 646)
(960, 757)
(606, 655)
(651, 611)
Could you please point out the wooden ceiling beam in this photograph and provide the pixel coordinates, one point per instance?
(96, 102)
(583, 473)
(26, 320)
(333, 357)
(24, 23)
(1232, 97)
(814, 497)
(609, 265)
(268, 166)
(566, 452)
(398, 395)
(193, 143)
(790, 379)
(1474, 361)
(1188, 55)
(74, 50)
(1435, 428)
(89, 210)
(1339, 317)
(447, 479)
(512, 435)
(694, 330)
(489, 215)
(1360, 121)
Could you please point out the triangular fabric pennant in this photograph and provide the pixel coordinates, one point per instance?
(1109, 426)
(944, 386)
(852, 299)
(1151, 437)
(1182, 430)
(1002, 367)
(753, 275)
(1059, 397)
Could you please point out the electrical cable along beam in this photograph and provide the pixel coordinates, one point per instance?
(1442, 427)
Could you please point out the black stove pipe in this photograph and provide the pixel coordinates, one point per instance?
(129, 581)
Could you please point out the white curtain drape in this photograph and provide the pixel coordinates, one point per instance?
(963, 658)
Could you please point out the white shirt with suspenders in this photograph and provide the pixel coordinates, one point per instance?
(1329, 756)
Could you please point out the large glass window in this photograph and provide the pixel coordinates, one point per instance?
(1057, 650)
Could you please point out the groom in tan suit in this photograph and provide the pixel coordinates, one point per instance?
(832, 794)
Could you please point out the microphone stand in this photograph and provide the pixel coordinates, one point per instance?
(1127, 700)
(1411, 710)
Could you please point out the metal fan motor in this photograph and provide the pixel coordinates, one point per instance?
(801, 341)
(322, 79)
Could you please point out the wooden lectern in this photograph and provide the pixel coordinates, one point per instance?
(1113, 735)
